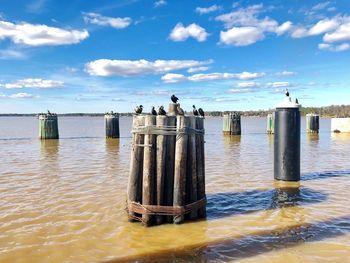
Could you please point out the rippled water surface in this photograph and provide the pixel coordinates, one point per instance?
(64, 200)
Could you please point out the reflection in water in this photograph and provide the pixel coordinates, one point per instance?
(312, 137)
(232, 140)
(112, 145)
(270, 138)
(342, 136)
(49, 148)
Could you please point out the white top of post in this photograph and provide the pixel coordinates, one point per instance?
(287, 103)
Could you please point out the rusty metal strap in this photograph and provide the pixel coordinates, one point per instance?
(138, 208)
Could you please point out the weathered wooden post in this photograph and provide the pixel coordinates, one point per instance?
(312, 123)
(287, 141)
(162, 122)
(226, 124)
(134, 191)
(173, 109)
(200, 155)
(270, 123)
(149, 165)
(180, 165)
(48, 126)
(235, 126)
(112, 125)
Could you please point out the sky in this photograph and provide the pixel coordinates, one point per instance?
(97, 56)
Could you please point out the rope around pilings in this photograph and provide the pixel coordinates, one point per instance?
(165, 130)
(137, 208)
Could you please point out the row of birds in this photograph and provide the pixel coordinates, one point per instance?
(180, 111)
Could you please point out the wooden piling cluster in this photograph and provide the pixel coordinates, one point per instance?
(312, 123)
(270, 124)
(232, 123)
(48, 126)
(167, 178)
(112, 124)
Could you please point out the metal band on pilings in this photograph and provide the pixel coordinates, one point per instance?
(165, 130)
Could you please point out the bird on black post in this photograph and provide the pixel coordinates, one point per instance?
(296, 101)
(153, 111)
(180, 111)
(195, 112)
(174, 98)
(201, 112)
(287, 93)
(138, 109)
(161, 111)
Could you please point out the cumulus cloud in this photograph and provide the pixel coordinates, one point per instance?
(342, 33)
(174, 78)
(285, 73)
(334, 48)
(127, 68)
(244, 27)
(241, 36)
(160, 3)
(97, 19)
(21, 95)
(321, 27)
(194, 70)
(320, 6)
(33, 83)
(206, 10)
(181, 33)
(245, 85)
(278, 84)
(11, 54)
(240, 90)
(40, 35)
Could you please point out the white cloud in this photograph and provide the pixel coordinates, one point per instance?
(33, 83)
(323, 26)
(285, 73)
(11, 54)
(223, 76)
(278, 84)
(245, 85)
(160, 3)
(194, 70)
(337, 48)
(320, 6)
(181, 33)
(173, 78)
(21, 95)
(206, 10)
(342, 33)
(241, 90)
(97, 19)
(40, 35)
(241, 36)
(127, 68)
(285, 27)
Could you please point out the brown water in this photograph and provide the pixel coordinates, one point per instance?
(63, 201)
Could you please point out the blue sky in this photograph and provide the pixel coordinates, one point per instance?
(96, 56)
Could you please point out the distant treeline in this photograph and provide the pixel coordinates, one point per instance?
(340, 111)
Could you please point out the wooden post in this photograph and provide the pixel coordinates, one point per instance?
(161, 165)
(226, 124)
(172, 109)
(149, 161)
(180, 165)
(235, 126)
(191, 179)
(48, 126)
(134, 191)
(112, 125)
(170, 167)
(270, 123)
(200, 155)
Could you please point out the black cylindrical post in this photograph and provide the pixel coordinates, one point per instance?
(287, 141)
(235, 126)
(112, 125)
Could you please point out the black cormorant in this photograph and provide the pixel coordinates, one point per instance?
(287, 93)
(201, 112)
(139, 109)
(153, 111)
(174, 98)
(161, 111)
(180, 111)
(195, 112)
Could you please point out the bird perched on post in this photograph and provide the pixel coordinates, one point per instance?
(201, 112)
(195, 112)
(180, 111)
(161, 111)
(138, 109)
(296, 101)
(153, 111)
(287, 93)
(174, 98)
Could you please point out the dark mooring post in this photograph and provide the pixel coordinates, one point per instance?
(48, 126)
(180, 165)
(235, 127)
(161, 121)
(149, 163)
(312, 123)
(287, 141)
(134, 190)
(200, 155)
(112, 125)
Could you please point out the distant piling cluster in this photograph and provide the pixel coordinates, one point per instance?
(232, 123)
(312, 123)
(167, 174)
(112, 125)
(48, 126)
